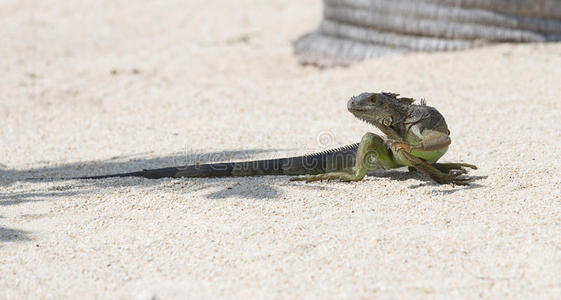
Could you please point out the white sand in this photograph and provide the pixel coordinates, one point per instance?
(219, 76)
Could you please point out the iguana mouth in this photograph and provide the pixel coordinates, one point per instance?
(352, 105)
(358, 109)
(365, 120)
(360, 104)
(360, 112)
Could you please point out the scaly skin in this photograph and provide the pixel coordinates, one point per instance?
(416, 136)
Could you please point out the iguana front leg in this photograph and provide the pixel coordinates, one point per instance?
(447, 167)
(372, 153)
(431, 140)
(420, 156)
(452, 176)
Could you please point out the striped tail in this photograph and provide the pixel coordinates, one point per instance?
(317, 163)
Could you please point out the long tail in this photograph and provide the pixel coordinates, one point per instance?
(317, 163)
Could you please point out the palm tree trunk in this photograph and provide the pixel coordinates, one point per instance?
(353, 30)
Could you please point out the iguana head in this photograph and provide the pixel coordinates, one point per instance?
(384, 110)
(394, 116)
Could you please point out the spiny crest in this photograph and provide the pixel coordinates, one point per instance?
(407, 101)
(335, 150)
(404, 100)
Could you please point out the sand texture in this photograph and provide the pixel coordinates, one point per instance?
(92, 87)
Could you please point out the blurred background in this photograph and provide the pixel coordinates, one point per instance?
(95, 87)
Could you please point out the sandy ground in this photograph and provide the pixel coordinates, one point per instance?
(90, 87)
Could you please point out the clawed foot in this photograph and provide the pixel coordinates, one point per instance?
(447, 167)
(454, 177)
(451, 173)
(399, 146)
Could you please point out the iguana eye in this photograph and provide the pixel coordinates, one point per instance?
(387, 121)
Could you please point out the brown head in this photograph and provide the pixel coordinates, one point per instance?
(395, 115)
(383, 110)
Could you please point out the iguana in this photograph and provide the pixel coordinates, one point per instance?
(416, 136)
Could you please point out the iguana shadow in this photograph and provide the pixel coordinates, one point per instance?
(222, 188)
(403, 174)
(13, 235)
(66, 188)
